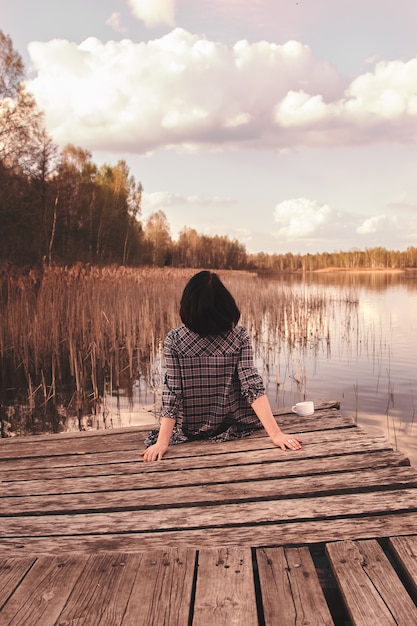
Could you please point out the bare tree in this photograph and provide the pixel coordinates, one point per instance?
(21, 122)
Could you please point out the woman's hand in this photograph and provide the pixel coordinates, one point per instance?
(286, 441)
(263, 410)
(155, 452)
(158, 449)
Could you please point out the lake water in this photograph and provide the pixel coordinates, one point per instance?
(361, 350)
(369, 362)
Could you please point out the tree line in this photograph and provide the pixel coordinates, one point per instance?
(59, 207)
(370, 258)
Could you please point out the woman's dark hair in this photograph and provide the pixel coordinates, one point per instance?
(207, 307)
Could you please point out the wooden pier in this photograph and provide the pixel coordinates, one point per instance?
(237, 533)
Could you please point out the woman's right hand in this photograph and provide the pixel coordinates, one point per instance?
(286, 441)
(154, 452)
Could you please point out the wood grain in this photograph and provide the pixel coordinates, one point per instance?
(291, 591)
(225, 593)
(370, 587)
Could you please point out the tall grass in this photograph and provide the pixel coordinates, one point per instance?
(69, 332)
(69, 336)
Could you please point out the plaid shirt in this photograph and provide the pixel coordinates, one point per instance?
(210, 383)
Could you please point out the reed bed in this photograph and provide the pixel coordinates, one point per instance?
(69, 336)
(290, 324)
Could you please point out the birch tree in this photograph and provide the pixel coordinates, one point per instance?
(21, 122)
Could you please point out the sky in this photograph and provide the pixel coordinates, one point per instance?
(289, 125)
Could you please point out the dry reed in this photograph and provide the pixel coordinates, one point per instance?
(69, 336)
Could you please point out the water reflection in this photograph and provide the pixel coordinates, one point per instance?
(369, 280)
(370, 363)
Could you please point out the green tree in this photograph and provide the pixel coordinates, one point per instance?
(75, 194)
(97, 211)
(119, 234)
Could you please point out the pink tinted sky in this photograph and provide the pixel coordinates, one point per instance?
(289, 125)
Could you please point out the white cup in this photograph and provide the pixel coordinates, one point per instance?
(303, 408)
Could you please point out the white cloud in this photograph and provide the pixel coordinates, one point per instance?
(237, 120)
(375, 224)
(187, 91)
(114, 21)
(300, 217)
(160, 200)
(389, 92)
(154, 12)
(298, 108)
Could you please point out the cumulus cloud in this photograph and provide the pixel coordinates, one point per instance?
(312, 225)
(185, 90)
(377, 106)
(390, 90)
(154, 12)
(300, 217)
(375, 224)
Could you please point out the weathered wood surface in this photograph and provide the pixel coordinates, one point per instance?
(372, 590)
(225, 592)
(290, 588)
(214, 534)
(93, 492)
(205, 587)
(405, 550)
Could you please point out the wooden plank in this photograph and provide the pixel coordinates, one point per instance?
(225, 591)
(265, 453)
(40, 480)
(51, 461)
(405, 550)
(274, 534)
(148, 472)
(100, 441)
(133, 590)
(66, 442)
(371, 589)
(290, 588)
(162, 590)
(260, 441)
(218, 515)
(61, 452)
(12, 571)
(42, 594)
(102, 591)
(257, 441)
(58, 450)
(118, 500)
